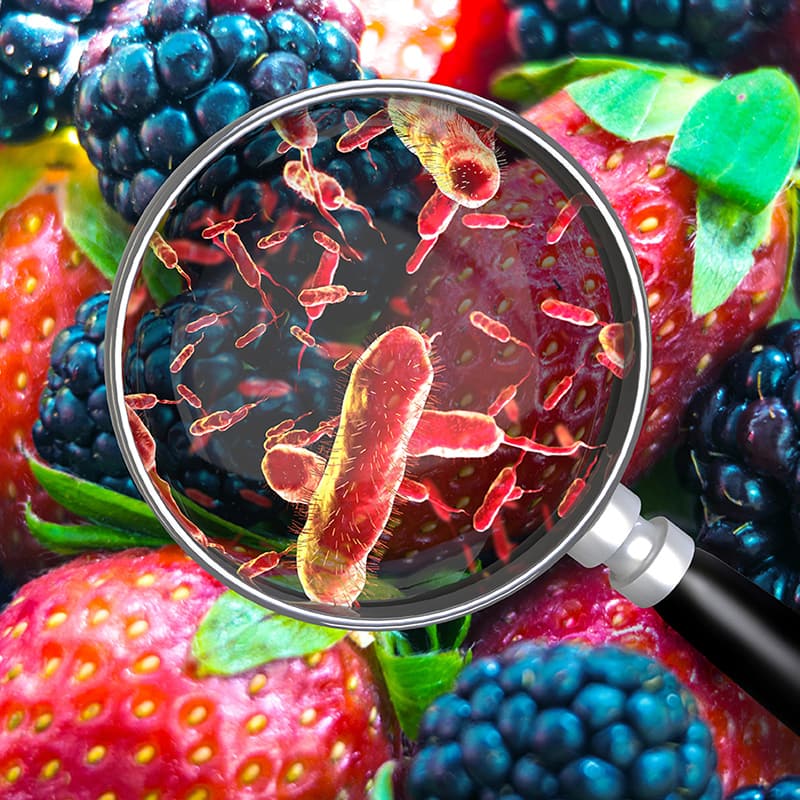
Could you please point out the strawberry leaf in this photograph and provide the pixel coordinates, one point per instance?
(73, 539)
(238, 635)
(96, 503)
(640, 104)
(528, 83)
(98, 231)
(382, 784)
(17, 181)
(726, 237)
(162, 284)
(415, 680)
(111, 509)
(25, 165)
(741, 139)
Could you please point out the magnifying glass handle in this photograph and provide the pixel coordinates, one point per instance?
(746, 632)
(743, 630)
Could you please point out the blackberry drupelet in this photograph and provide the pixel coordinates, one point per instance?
(742, 455)
(222, 472)
(40, 46)
(701, 33)
(787, 788)
(567, 722)
(74, 431)
(164, 84)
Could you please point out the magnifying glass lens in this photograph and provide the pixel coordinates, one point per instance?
(388, 360)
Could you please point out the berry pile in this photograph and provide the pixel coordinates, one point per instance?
(74, 431)
(566, 721)
(223, 474)
(743, 453)
(188, 68)
(787, 788)
(701, 34)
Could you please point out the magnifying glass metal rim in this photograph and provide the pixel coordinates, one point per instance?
(371, 616)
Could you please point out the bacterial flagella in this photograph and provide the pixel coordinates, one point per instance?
(353, 477)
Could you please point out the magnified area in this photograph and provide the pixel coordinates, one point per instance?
(374, 352)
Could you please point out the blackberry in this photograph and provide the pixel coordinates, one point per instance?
(247, 183)
(701, 33)
(787, 788)
(742, 455)
(165, 83)
(74, 432)
(222, 472)
(41, 44)
(564, 722)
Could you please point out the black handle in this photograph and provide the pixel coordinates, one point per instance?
(743, 630)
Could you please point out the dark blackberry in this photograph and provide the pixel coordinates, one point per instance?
(564, 722)
(742, 456)
(247, 183)
(700, 33)
(41, 42)
(164, 84)
(74, 432)
(223, 471)
(787, 788)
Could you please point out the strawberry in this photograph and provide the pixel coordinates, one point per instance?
(436, 41)
(570, 604)
(104, 695)
(43, 278)
(656, 205)
(461, 276)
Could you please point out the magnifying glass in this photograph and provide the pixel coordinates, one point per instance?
(378, 354)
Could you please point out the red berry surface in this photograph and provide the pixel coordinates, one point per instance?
(506, 275)
(656, 205)
(101, 696)
(43, 278)
(458, 43)
(573, 604)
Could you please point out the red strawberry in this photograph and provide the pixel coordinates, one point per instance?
(506, 275)
(573, 604)
(436, 41)
(43, 278)
(656, 205)
(102, 696)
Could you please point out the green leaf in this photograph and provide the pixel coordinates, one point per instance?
(73, 539)
(640, 104)
(18, 180)
(382, 784)
(741, 139)
(662, 494)
(112, 509)
(238, 635)
(25, 165)
(214, 526)
(162, 283)
(415, 680)
(725, 240)
(98, 230)
(528, 83)
(96, 503)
